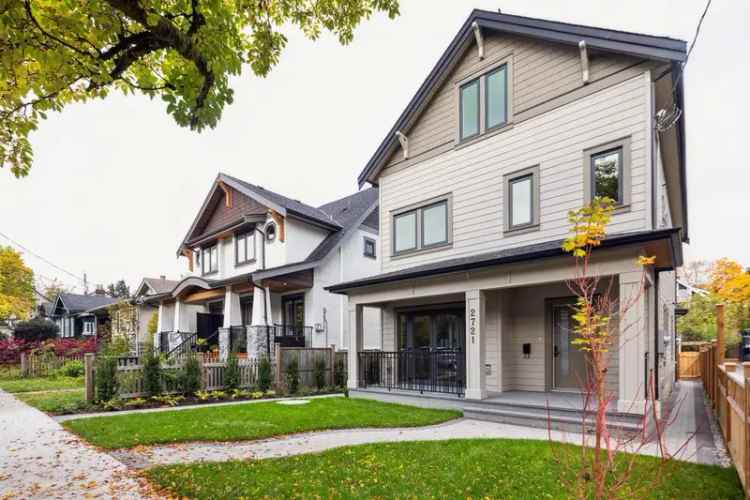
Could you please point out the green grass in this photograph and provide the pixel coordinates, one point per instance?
(56, 402)
(249, 421)
(40, 384)
(449, 469)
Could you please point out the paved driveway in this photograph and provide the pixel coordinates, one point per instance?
(39, 459)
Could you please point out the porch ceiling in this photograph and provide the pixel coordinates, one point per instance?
(290, 282)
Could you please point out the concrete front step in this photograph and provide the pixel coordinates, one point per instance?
(568, 421)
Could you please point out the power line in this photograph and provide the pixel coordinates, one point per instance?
(692, 44)
(40, 257)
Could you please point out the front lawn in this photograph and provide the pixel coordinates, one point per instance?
(40, 384)
(249, 421)
(56, 402)
(495, 468)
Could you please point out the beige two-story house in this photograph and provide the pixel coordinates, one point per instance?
(520, 121)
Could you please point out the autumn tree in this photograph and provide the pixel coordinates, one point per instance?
(54, 53)
(16, 285)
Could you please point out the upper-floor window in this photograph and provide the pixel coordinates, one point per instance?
(210, 260)
(607, 172)
(483, 103)
(522, 199)
(369, 247)
(244, 247)
(422, 227)
(271, 231)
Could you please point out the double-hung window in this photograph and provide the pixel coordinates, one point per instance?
(422, 227)
(522, 199)
(483, 103)
(244, 247)
(210, 260)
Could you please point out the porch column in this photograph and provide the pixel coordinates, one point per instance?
(257, 334)
(356, 342)
(232, 317)
(174, 336)
(475, 352)
(633, 334)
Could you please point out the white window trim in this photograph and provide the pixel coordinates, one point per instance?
(250, 238)
(417, 209)
(481, 74)
(205, 251)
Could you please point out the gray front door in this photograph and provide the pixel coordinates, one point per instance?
(568, 361)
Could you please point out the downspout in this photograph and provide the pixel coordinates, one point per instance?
(656, 334)
(654, 152)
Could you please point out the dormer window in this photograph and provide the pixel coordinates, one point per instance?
(210, 260)
(483, 102)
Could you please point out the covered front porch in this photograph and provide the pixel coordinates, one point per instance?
(501, 335)
(232, 316)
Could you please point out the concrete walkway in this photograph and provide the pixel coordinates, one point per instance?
(39, 459)
(701, 447)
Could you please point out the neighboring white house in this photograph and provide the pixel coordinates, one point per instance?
(257, 266)
(520, 121)
(685, 291)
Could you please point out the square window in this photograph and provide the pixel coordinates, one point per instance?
(606, 174)
(435, 224)
(496, 90)
(405, 232)
(470, 109)
(521, 201)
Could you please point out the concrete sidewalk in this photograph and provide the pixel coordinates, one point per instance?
(39, 459)
(691, 426)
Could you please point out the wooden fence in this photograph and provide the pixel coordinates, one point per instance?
(689, 364)
(727, 385)
(44, 364)
(130, 371)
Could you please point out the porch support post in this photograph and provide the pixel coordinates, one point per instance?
(355, 344)
(174, 336)
(633, 335)
(475, 351)
(232, 310)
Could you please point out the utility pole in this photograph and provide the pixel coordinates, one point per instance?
(85, 284)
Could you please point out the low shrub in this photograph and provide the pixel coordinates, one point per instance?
(292, 375)
(232, 372)
(319, 372)
(340, 377)
(190, 382)
(106, 378)
(35, 330)
(72, 368)
(264, 374)
(151, 373)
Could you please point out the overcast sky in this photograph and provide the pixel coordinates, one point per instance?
(115, 184)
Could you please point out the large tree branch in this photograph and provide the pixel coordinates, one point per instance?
(27, 5)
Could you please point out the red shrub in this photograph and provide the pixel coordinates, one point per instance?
(11, 349)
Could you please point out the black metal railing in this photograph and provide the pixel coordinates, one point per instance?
(414, 370)
(293, 335)
(185, 347)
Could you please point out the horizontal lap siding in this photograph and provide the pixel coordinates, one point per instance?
(541, 71)
(555, 141)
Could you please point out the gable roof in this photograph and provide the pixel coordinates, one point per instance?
(157, 286)
(349, 212)
(75, 303)
(646, 46)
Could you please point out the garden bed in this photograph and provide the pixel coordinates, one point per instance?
(487, 468)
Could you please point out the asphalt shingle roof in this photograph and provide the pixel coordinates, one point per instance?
(79, 303)
(161, 285)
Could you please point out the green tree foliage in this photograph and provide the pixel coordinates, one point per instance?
(232, 372)
(16, 281)
(105, 378)
(151, 372)
(292, 375)
(153, 324)
(118, 290)
(190, 380)
(35, 329)
(319, 372)
(54, 53)
(264, 374)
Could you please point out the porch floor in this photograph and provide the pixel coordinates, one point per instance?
(553, 399)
